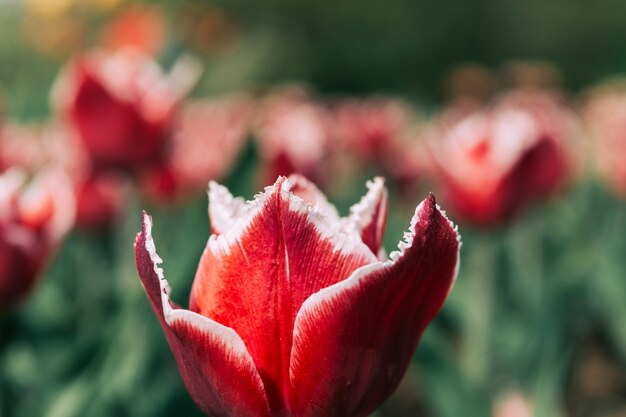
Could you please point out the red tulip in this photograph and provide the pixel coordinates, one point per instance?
(99, 200)
(371, 127)
(208, 136)
(605, 114)
(293, 134)
(121, 105)
(493, 162)
(34, 216)
(98, 195)
(382, 132)
(291, 312)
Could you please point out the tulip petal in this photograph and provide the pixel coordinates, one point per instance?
(213, 360)
(353, 341)
(309, 192)
(224, 209)
(103, 96)
(55, 183)
(369, 216)
(104, 130)
(255, 276)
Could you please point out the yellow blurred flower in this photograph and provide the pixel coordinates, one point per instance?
(48, 8)
(55, 8)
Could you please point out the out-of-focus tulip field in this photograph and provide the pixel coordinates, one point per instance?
(507, 118)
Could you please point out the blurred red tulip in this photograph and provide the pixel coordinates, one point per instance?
(409, 162)
(207, 138)
(370, 127)
(121, 105)
(382, 132)
(99, 200)
(605, 115)
(293, 135)
(98, 195)
(291, 312)
(493, 162)
(35, 214)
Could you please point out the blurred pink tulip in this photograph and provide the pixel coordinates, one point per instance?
(293, 135)
(207, 138)
(33, 146)
(35, 214)
(493, 162)
(98, 195)
(383, 133)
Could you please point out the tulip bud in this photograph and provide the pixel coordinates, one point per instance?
(293, 135)
(207, 138)
(35, 214)
(121, 106)
(292, 312)
(493, 162)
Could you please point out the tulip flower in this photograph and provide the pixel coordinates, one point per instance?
(292, 313)
(34, 217)
(98, 195)
(293, 134)
(382, 132)
(605, 115)
(99, 200)
(207, 138)
(493, 162)
(122, 105)
(370, 127)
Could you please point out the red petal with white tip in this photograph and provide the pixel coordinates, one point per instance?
(213, 360)
(353, 341)
(369, 216)
(224, 209)
(309, 192)
(255, 276)
(35, 214)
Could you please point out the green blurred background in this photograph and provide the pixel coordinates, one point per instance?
(538, 307)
